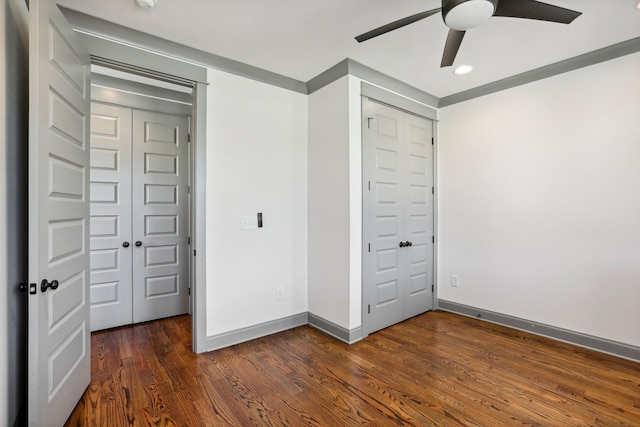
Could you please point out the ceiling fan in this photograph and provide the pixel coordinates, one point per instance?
(461, 15)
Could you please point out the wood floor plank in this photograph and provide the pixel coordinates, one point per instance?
(437, 369)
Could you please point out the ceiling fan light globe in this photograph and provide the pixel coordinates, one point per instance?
(465, 14)
(147, 4)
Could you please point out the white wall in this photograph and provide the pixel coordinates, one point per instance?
(256, 162)
(539, 201)
(328, 198)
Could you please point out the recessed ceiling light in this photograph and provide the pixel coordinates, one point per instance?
(463, 69)
(638, 5)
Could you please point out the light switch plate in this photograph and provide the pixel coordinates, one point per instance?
(248, 222)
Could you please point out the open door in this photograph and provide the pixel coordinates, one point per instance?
(59, 93)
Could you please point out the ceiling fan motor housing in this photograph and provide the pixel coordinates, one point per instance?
(465, 14)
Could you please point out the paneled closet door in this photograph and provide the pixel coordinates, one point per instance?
(383, 215)
(418, 228)
(110, 224)
(397, 215)
(160, 206)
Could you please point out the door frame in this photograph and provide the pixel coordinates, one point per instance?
(112, 53)
(382, 96)
(133, 95)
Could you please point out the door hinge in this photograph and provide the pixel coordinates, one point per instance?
(188, 189)
(369, 185)
(432, 288)
(369, 247)
(189, 240)
(369, 308)
(433, 190)
(431, 141)
(433, 239)
(189, 290)
(369, 122)
(188, 137)
(194, 252)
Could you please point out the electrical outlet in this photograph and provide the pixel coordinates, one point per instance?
(279, 293)
(455, 280)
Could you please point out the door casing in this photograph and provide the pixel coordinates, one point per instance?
(116, 93)
(126, 58)
(385, 97)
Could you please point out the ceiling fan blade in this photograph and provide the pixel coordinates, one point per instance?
(454, 39)
(396, 24)
(531, 9)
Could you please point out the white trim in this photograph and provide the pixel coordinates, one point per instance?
(104, 93)
(399, 102)
(435, 213)
(138, 88)
(145, 64)
(199, 213)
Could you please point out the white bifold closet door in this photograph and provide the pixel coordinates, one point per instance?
(139, 215)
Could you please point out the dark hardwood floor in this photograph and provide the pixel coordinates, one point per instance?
(435, 369)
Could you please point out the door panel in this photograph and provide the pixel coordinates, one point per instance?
(419, 221)
(111, 300)
(59, 356)
(382, 161)
(160, 223)
(397, 200)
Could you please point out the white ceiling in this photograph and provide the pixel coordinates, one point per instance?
(302, 38)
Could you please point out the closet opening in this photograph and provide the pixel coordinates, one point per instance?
(141, 202)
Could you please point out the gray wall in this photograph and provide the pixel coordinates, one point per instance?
(13, 225)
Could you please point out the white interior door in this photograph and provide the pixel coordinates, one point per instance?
(161, 215)
(59, 344)
(397, 215)
(418, 223)
(383, 214)
(110, 226)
